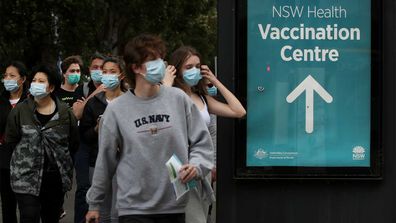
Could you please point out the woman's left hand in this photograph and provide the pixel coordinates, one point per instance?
(188, 172)
(170, 75)
(207, 73)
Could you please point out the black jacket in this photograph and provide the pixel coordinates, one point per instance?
(86, 89)
(56, 140)
(5, 109)
(92, 110)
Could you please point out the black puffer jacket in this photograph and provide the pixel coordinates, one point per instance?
(5, 109)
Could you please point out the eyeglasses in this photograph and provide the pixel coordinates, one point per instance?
(74, 70)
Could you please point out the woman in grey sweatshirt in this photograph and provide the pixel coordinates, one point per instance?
(148, 124)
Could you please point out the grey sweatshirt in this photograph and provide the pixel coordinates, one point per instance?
(147, 132)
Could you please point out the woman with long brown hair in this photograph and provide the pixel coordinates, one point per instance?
(188, 73)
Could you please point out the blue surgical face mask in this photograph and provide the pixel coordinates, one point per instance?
(192, 76)
(38, 90)
(212, 91)
(96, 76)
(110, 81)
(11, 85)
(73, 78)
(155, 71)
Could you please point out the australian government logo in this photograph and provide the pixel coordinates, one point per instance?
(358, 153)
(260, 154)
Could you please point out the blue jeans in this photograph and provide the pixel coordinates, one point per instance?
(81, 164)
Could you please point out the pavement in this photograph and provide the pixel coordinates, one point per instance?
(69, 205)
(69, 208)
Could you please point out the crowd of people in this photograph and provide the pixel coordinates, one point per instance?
(117, 131)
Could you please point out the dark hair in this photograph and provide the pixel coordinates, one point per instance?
(21, 68)
(50, 71)
(97, 55)
(177, 59)
(69, 61)
(121, 66)
(139, 49)
(118, 61)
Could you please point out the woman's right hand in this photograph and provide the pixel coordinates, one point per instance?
(170, 74)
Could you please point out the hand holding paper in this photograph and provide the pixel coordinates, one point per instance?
(181, 176)
(187, 172)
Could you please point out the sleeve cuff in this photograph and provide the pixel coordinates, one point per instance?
(94, 207)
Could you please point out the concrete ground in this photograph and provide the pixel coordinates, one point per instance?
(69, 208)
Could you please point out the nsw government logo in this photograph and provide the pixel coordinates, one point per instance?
(260, 154)
(358, 153)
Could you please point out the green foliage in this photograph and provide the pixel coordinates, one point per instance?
(41, 30)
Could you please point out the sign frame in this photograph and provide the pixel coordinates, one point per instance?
(373, 172)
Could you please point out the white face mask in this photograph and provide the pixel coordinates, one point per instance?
(155, 71)
(11, 85)
(38, 90)
(96, 76)
(110, 81)
(192, 76)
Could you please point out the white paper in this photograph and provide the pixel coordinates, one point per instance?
(174, 165)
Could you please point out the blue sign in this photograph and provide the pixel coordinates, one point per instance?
(308, 83)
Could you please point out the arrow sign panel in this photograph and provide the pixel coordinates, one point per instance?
(309, 85)
(316, 107)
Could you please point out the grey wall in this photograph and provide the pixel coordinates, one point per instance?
(303, 201)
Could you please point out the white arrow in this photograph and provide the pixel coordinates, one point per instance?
(309, 85)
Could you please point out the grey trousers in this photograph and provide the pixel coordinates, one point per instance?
(197, 208)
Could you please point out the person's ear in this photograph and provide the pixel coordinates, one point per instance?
(122, 76)
(51, 88)
(138, 69)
